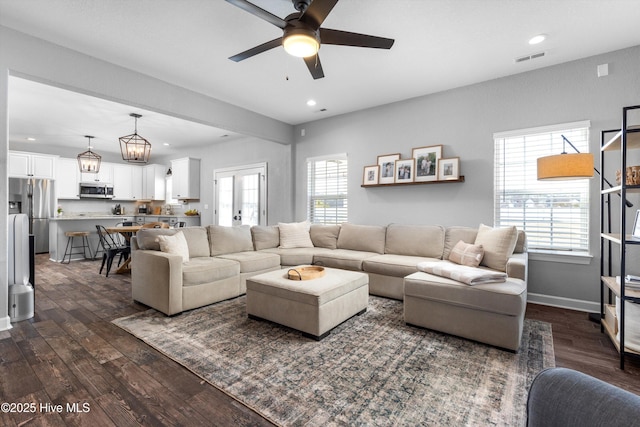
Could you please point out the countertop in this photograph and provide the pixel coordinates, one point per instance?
(94, 216)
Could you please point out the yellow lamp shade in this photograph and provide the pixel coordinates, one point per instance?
(565, 166)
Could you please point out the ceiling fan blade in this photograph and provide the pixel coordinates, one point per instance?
(314, 66)
(256, 50)
(345, 38)
(317, 12)
(259, 12)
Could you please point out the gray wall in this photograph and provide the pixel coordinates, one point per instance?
(464, 121)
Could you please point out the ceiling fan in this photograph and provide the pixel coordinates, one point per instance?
(302, 33)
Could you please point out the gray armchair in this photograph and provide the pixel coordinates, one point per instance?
(563, 397)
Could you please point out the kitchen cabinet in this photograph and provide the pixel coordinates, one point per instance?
(105, 175)
(185, 178)
(127, 182)
(67, 179)
(153, 182)
(31, 165)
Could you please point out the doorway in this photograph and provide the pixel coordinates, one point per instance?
(240, 195)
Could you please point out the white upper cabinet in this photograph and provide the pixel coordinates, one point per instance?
(153, 182)
(186, 178)
(122, 182)
(30, 165)
(67, 179)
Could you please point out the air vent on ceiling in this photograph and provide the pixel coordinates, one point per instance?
(529, 57)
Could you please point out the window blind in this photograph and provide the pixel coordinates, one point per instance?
(554, 214)
(327, 189)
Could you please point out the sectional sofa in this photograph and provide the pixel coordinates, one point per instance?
(215, 261)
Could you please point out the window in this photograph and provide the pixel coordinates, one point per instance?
(327, 189)
(555, 214)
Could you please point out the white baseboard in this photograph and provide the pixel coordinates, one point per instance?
(5, 323)
(569, 303)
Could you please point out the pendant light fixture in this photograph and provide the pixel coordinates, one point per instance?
(134, 148)
(88, 161)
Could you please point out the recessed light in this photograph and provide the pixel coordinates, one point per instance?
(537, 39)
(31, 139)
(166, 144)
(311, 102)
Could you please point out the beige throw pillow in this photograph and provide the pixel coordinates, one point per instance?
(498, 245)
(466, 254)
(176, 245)
(295, 235)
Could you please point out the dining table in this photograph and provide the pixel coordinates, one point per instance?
(125, 231)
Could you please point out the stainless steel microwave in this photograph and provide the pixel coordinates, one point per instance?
(96, 190)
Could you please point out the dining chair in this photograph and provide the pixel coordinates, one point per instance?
(111, 248)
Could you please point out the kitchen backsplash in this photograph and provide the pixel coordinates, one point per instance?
(130, 208)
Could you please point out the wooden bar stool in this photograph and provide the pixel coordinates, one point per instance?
(84, 235)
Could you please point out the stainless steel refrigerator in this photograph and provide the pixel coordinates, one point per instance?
(35, 198)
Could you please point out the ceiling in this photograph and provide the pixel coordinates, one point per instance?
(440, 44)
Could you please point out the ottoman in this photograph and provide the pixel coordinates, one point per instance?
(313, 307)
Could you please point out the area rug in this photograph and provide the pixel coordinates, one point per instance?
(371, 370)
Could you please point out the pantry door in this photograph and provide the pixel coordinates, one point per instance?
(240, 195)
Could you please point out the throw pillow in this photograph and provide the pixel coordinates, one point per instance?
(466, 254)
(295, 235)
(498, 245)
(176, 245)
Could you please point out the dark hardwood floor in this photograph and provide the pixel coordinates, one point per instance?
(71, 353)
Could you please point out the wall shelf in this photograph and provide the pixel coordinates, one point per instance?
(445, 181)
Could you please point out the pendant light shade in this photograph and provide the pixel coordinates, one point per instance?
(134, 148)
(88, 161)
(565, 166)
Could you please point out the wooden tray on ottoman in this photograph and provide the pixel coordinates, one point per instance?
(305, 273)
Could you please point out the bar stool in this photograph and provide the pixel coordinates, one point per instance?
(84, 235)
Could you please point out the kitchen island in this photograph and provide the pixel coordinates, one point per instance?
(58, 226)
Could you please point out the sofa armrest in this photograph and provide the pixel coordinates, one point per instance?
(564, 397)
(517, 266)
(156, 280)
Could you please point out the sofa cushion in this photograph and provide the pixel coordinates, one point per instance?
(265, 237)
(146, 237)
(197, 240)
(393, 265)
(176, 245)
(508, 298)
(456, 233)
(203, 270)
(466, 254)
(227, 240)
(364, 238)
(297, 256)
(521, 243)
(254, 261)
(498, 244)
(415, 240)
(345, 259)
(325, 236)
(295, 235)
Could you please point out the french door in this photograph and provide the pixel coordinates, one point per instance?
(240, 195)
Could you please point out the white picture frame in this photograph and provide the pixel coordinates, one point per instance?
(387, 163)
(371, 175)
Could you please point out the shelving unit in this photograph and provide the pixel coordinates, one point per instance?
(444, 181)
(612, 244)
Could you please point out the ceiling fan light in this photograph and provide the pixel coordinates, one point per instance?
(301, 45)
